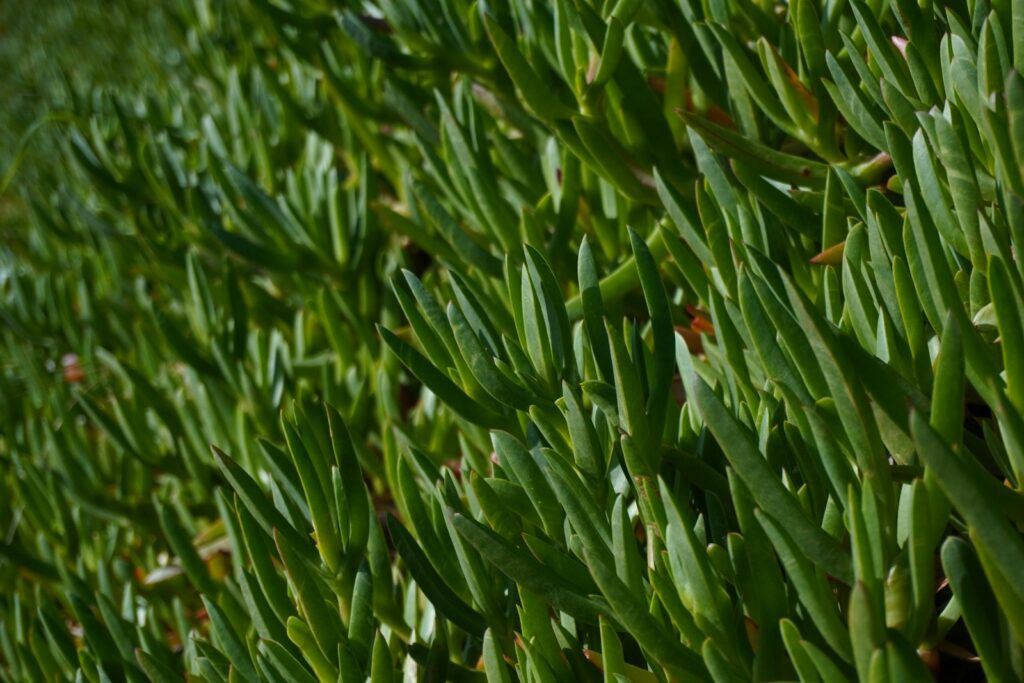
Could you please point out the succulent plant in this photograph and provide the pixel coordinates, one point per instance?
(585, 340)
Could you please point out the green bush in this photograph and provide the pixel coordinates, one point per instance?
(577, 340)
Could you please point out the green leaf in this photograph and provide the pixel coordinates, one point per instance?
(58, 637)
(382, 666)
(115, 626)
(437, 381)
(520, 465)
(288, 666)
(970, 490)
(300, 634)
(183, 548)
(494, 664)
(155, 671)
(433, 347)
(268, 516)
(947, 416)
(627, 559)
(610, 160)
(229, 642)
(684, 218)
(556, 318)
(764, 337)
(593, 310)
(612, 661)
(768, 491)
(589, 521)
(978, 604)
(920, 549)
(464, 245)
(96, 635)
(668, 596)
(851, 400)
(585, 446)
(811, 586)
(694, 577)
(360, 619)
(480, 362)
(934, 194)
(259, 550)
(802, 662)
(355, 514)
(628, 608)
(611, 52)
(801, 107)
(765, 160)
(807, 24)
(755, 82)
(721, 667)
(1007, 304)
(882, 50)
(327, 541)
(866, 632)
(629, 395)
(1012, 607)
(433, 585)
(662, 331)
(538, 96)
(322, 622)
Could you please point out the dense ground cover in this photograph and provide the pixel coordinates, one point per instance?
(525, 341)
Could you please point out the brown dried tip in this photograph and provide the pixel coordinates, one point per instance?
(753, 631)
(832, 256)
(678, 389)
(931, 660)
(455, 465)
(698, 312)
(714, 114)
(692, 339)
(71, 369)
(703, 326)
(594, 658)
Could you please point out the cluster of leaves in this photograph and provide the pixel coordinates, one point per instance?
(626, 340)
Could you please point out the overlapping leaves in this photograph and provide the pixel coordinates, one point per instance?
(667, 342)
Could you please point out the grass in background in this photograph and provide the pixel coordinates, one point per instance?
(49, 46)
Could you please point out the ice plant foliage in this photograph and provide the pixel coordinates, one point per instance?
(621, 340)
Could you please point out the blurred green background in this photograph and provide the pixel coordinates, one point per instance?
(49, 47)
